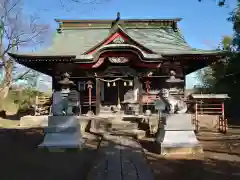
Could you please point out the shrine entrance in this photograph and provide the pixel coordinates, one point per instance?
(113, 91)
(117, 82)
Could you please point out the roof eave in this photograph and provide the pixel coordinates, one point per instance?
(220, 54)
(40, 56)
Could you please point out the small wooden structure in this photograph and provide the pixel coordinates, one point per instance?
(209, 104)
(42, 105)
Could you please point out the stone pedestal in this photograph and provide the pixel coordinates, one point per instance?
(62, 132)
(34, 121)
(177, 135)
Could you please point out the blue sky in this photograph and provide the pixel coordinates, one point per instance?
(203, 24)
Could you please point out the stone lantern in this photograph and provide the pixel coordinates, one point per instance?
(63, 131)
(60, 98)
(65, 82)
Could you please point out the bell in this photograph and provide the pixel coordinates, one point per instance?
(125, 84)
(114, 84)
(130, 83)
(108, 84)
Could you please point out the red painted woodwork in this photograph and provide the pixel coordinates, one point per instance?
(118, 34)
(137, 64)
(107, 41)
(147, 83)
(133, 58)
(149, 99)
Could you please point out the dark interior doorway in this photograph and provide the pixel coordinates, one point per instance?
(112, 92)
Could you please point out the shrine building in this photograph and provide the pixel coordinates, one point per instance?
(109, 58)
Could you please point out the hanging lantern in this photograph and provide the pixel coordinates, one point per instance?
(114, 84)
(108, 84)
(125, 84)
(130, 83)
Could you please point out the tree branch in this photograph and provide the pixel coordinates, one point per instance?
(21, 76)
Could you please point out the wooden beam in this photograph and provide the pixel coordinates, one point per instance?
(75, 77)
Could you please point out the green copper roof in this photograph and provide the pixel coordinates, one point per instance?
(76, 42)
(159, 40)
(162, 40)
(158, 37)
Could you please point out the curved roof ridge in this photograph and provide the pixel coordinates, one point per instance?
(111, 20)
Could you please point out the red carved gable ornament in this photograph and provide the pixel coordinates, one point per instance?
(117, 57)
(116, 38)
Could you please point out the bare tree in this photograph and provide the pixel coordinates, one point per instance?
(16, 30)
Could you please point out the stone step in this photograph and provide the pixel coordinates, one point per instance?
(117, 126)
(34, 121)
(113, 125)
(107, 110)
(139, 134)
(125, 125)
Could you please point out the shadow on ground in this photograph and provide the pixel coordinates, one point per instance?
(207, 166)
(210, 165)
(194, 168)
(20, 159)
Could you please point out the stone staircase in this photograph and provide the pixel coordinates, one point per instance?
(113, 123)
(127, 128)
(107, 111)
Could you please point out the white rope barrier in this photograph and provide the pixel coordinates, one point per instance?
(114, 80)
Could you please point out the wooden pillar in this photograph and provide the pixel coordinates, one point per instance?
(90, 86)
(224, 119)
(147, 84)
(53, 84)
(98, 97)
(101, 90)
(223, 110)
(196, 117)
(140, 99)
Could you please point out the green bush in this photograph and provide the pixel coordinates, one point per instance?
(20, 100)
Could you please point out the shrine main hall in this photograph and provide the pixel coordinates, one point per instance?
(111, 59)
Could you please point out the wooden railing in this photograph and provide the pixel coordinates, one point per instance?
(209, 108)
(222, 124)
(195, 123)
(204, 108)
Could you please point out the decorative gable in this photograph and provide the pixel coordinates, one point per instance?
(118, 40)
(119, 37)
